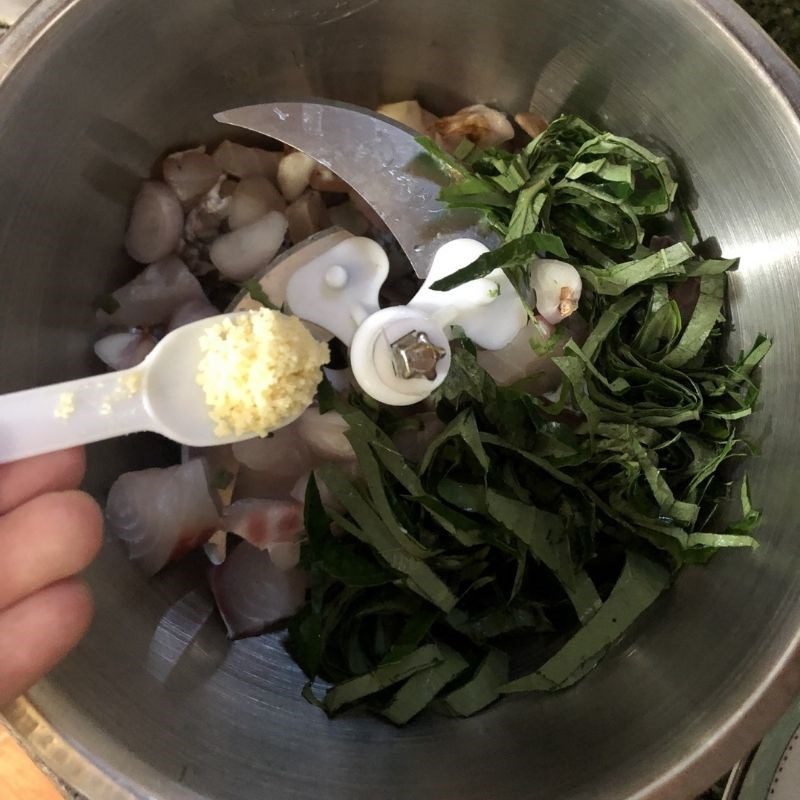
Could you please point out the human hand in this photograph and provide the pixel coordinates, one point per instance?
(48, 534)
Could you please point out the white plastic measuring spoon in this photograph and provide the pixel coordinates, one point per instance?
(160, 395)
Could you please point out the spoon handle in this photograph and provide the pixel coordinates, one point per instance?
(51, 418)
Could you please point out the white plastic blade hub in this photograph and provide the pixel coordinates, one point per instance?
(372, 361)
(339, 289)
(488, 309)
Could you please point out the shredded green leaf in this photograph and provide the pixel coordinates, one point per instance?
(536, 531)
(482, 689)
(704, 319)
(357, 689)
(517, 253)
(621, 277)
(257, 293)
(639, 585)
(421, 689)
(220, 479)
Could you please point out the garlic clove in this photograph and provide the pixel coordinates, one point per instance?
(156, 223)
(238, 255)
(412, 114)
(252, 199)
(324, 180)
(306, 216)
(482, 125)
(532, 124)
(245, 162)
(406, 112)
(558, 287)
(294, 174)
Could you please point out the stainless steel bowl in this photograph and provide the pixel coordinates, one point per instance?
(155, 703)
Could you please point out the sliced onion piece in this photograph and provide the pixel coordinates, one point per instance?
(154, 229)
(264, 523)
(191, 311)
(280, 458)
(342, 380)
(162, 514)
(223, 470)
(154, 295)
(518, 360)
(298, 493)
(262, 484)
(325, 434)
(285, 555)
(216, 548)
(124, 350)
(253, 594)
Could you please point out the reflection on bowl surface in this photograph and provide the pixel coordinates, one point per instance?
(154, 697)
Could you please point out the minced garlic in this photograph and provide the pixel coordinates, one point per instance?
(259, 371)
(66, 405)
(130, 383)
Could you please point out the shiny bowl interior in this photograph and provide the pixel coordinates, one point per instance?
(155, 703)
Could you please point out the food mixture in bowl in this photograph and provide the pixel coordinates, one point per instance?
(500, 536)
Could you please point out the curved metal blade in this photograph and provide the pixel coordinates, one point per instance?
(380, 159)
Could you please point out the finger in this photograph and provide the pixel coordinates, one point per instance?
(36, 633)
(55, 472)
(49, 538)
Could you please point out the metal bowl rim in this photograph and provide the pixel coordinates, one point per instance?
(765, 703)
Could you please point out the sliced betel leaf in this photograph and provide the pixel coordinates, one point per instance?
(419, 691)
(640, 584)
(482, 689)
(357, 689)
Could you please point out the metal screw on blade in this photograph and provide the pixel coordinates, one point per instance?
(416, 356)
